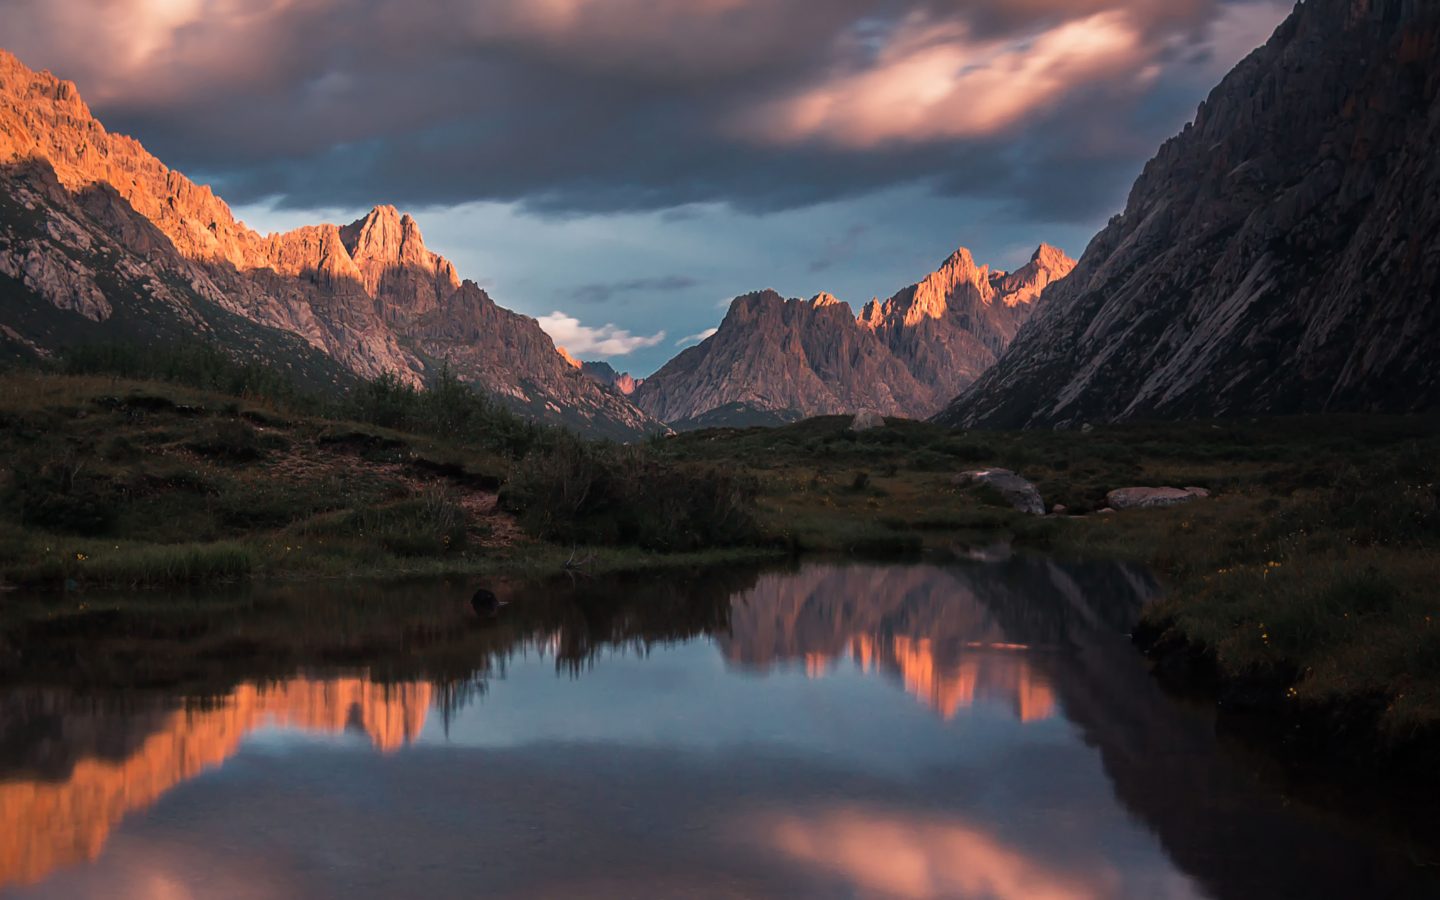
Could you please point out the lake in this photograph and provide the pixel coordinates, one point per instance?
(969, 729)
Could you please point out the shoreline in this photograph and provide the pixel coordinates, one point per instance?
(1305, 581)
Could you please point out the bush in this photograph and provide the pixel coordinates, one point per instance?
(229, 439)
(60, 495)
(448, 408)
(197, 364)
(582, 493)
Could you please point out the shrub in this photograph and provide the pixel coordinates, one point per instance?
(59, 495)
(448, 408)
(582, 493)
(198, 364)
(229, 439)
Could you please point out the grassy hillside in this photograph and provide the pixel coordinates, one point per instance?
(120, 482)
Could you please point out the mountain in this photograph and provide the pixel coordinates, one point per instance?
(775, 360)
(1281, 255)
(605, 373)
(99, 240)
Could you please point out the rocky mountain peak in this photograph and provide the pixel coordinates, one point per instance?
(828, 301)
(957, 278)
(1025, 285)
(607, 375)
(905, 356)
(116, 229)
(1052, 259)
(386, 239)
(932, 296)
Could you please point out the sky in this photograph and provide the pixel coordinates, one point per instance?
(621, 169)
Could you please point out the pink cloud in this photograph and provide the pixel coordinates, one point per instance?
(899, 855)
(605, 340)
(936, 81)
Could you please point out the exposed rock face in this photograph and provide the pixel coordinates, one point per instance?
(91, 220)
(1147, 497)
(1017, 491)
(807, 356)
(906, 356)
(951, 327)
(1281, 255)
(867, 420)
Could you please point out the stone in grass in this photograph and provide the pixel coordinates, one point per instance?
(1148, 497)
(867, 419)
(1018, 492)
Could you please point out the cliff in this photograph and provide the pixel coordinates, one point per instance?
(1281, 255)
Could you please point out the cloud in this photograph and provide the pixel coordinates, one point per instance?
(697, 338)
(600, 292)
(933, 80)
(838, 249)
(607, 340)
(569, 106)
(898, 854)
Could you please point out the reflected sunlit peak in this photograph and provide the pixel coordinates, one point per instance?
(45, 825)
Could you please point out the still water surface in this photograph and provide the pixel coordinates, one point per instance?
(836, 730)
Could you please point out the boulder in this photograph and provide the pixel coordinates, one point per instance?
(1018, 492)
(1147, 497)
(867, 419)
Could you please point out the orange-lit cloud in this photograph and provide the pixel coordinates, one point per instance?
(912, 856)
(645, 104)
(934, 80)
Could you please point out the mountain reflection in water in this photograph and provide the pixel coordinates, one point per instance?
(716, 735)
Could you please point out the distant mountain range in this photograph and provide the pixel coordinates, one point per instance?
(775, 360)
(606, 374)
(99, 240)
(1281, 255)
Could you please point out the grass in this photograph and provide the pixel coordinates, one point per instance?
(106, 481)
(131, 565)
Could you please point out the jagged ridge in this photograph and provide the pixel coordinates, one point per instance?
(905, 356)
(92, 219)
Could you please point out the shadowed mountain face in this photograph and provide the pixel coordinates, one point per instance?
(905, 356)
(99, 239)
(1281, 255)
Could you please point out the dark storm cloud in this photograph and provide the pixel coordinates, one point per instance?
(601, 292)
(601, 105)
(838, 249)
